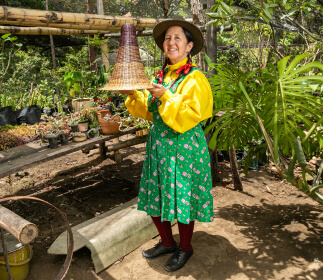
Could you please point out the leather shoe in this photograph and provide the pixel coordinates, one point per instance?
(178, 259)
(159, 250)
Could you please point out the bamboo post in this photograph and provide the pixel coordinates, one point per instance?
(20, 228)
(30, 17)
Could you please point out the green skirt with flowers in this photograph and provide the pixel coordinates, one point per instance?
(176, 178)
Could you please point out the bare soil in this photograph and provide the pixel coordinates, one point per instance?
(269, 231)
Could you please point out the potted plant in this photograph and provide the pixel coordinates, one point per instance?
(144, 125)
(75, 86)
(73, 121)
(52, 139)
(78, 136)
(109, 123)
(94, 131)
(83, 124)
(64, 136)
(51, 134)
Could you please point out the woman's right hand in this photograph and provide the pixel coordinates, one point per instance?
(127, 92)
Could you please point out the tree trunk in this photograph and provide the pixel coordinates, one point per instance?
(93, 65)
(234, 168)
(211, 34)
(199, 20)
(214, 162)
(104, 47)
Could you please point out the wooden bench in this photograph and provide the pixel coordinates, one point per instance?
(28, 155)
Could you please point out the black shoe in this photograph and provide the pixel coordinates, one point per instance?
(178, 260)
(159, 250)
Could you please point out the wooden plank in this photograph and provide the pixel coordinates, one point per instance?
(20, 151)
(44, 155)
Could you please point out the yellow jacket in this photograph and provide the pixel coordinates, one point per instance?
(187, 107)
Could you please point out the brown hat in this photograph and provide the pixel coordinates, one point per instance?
(160, 29)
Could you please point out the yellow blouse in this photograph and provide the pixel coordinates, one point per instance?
(188, 106)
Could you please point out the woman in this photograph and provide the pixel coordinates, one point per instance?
(176, 178)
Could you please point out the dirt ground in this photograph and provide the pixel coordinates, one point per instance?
(268, 231)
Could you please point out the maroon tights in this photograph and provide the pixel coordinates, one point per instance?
(166, 235)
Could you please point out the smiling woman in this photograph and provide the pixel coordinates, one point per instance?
(176, 44)
(176, 178)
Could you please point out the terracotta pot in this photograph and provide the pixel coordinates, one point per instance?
(108, 127)
(83, 126)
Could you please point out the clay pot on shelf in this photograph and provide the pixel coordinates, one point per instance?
(108, 126)
(83, 126)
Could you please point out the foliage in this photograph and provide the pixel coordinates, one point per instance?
(6, 55)
(277, 102)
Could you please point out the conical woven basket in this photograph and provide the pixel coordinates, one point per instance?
(128, 72)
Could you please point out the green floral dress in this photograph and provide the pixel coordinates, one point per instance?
(176, 179)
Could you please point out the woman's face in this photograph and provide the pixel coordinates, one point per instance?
(175, 44)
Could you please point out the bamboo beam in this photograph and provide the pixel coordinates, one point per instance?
(30, 17)
(21, 229)
(68, 26)
(47, 31)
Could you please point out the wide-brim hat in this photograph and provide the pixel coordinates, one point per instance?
(160, 29)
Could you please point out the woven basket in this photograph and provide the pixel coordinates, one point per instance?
(128, 72)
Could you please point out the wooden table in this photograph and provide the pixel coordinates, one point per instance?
(28, 155)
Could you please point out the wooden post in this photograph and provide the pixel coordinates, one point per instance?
(21, 229)
(103, 150)
(117, 153)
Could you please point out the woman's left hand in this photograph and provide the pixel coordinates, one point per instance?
(157, 90)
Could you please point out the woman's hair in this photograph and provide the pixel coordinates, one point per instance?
(188, 35)
(161, 73)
